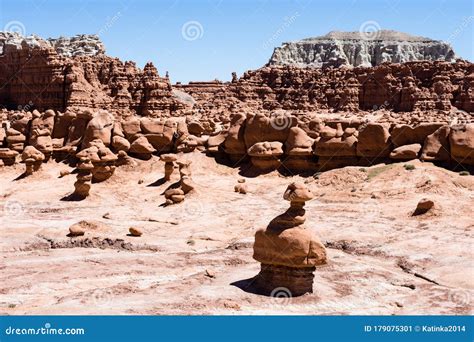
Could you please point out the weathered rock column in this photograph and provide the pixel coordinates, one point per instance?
(169, 160)
(287, 251)
(82, 185)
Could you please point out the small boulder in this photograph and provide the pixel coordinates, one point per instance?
(406, 152)
(77, 230)
(241, 188)
(134, 231)
(423, 206)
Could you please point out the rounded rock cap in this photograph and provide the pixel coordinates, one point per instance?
(298, 192)
(168, 157)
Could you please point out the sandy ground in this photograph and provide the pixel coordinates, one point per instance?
(196, 257)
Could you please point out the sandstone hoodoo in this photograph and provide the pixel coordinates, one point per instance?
(370, 124)
(32, 159)
(365, 49)
(169, 160)
(287, 251)
(185, 185)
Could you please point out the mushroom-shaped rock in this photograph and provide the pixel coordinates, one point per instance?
(8, 156)
(32, 159)
(287, 251)
(169, 160)
(265, 155)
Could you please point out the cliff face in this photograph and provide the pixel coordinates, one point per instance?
(412, 86)
(79, 45)
(355, 49)
(73, 72)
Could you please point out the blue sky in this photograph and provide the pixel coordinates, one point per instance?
(208, 39)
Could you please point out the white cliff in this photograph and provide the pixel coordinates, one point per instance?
(360, 49)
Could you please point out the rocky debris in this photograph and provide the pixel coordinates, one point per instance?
(364, 49)
(82, 227)
(134, 231)
(32, 159)
(287, 251)
(241, 187)
(169, 160)
(423, 206)
(406, 152)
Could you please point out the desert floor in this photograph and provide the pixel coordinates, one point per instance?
(196, 257)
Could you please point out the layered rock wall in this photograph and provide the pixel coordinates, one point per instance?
(361, 49)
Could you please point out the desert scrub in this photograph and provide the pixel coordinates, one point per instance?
(372, 173)
(409, 167)
(464, 173)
